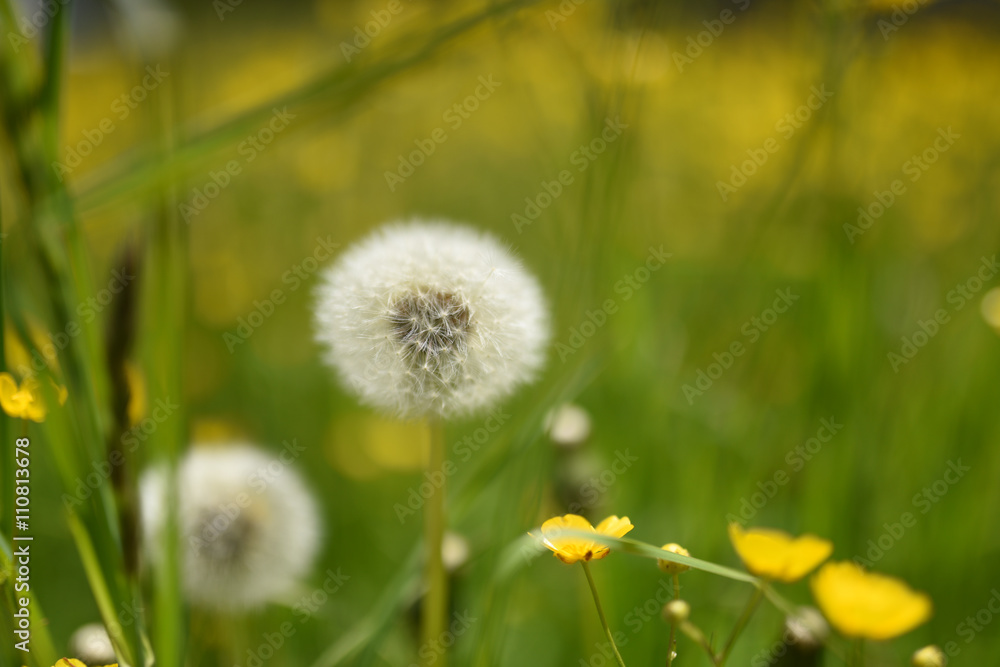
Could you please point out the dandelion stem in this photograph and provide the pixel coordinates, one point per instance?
(600, 613)
(672, 644)
(741, 623)
(436, 599)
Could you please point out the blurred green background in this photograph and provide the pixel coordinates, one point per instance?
(563, 71)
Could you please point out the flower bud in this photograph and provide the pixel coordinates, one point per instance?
(670, 567)
(676, 611)
(929, 656)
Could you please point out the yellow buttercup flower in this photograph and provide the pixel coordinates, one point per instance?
(24, 402)
(73, 662)
(774, 554)
(570, 549)
(868, 605)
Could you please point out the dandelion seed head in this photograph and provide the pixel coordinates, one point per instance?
(431, 318)
(91, 644)
(249, 528)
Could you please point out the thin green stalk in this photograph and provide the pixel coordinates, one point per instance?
(99, 586)
(167, 273)
(600, 613)
(741, 623)
(672, 644)
(435, 602)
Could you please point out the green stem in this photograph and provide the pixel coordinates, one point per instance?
(600, 613)
(672, 644)
(741, 623)
(695, 634)
(435, 603)
(857, 654)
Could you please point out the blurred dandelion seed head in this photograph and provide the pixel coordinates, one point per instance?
(91, 644)
(568, 425)
(249, 528)
(807, 628)
(431, 318)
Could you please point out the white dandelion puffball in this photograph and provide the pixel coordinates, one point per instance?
(248, 527)
(431, 318)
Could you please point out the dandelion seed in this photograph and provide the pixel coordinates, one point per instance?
(249, 528)
(428, 318)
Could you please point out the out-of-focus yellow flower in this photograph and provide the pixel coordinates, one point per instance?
(774, 554)
(669, 566)
(570, 549)
(73, 662)
(138, 402)
(929, 656)
(25, 402)
(868, 605)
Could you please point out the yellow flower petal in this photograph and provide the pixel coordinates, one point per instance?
(774, 554)
(615, 527)
(863, 604)
(8, 390)
(69, 662)
(570, 549)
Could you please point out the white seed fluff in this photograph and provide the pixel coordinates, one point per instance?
(249, 528)
(427, 318)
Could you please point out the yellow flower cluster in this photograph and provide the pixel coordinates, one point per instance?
(858, 603)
